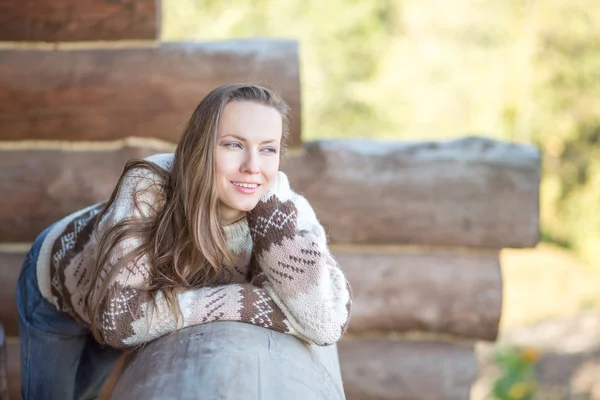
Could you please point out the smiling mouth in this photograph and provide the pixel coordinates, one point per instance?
(246, 185)
(246, 188)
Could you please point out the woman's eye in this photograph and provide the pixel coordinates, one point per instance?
(234, 145)
(270, 150)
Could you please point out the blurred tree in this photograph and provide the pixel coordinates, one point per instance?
(341, 41)
(522, 70)
(567, 123)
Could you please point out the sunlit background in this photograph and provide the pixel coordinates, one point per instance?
(518, 70)
(521, 70)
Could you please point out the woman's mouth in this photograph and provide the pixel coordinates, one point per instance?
(246, 187)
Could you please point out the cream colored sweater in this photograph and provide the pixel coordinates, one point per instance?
(299, 288)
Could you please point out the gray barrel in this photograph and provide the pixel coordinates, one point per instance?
(231, 360)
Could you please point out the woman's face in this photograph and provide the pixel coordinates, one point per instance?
(246, 156)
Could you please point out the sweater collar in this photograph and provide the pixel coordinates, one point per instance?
(236, 231)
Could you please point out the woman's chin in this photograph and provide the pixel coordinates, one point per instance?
(243, 203)
(245, 206)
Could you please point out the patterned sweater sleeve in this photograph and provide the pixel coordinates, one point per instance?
(128, 317)
(298, 270)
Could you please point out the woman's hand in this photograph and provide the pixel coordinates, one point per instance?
(275, 216)
(295, 267)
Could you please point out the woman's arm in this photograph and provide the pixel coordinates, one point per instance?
(128, 317)
(298, 270)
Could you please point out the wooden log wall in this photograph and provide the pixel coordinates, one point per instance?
(139, 90)
(417, 227)
(82, 84)
(142, 91)
(455, 289)
(83, 20)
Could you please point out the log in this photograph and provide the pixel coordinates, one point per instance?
(473, 191)
(10, 267)
(229, 360)
(382, 369)
(42, 186)
(437, 291)
(370, 368)
(64, 21)
(107, 94)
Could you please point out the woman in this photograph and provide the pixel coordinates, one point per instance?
(211, 233)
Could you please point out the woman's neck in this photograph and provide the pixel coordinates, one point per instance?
(231, 218)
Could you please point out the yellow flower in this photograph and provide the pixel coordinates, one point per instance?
(519, 390)
(530, 355)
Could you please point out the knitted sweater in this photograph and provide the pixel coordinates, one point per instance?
(297, 288)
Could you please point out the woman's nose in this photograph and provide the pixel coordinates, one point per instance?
(250, 164)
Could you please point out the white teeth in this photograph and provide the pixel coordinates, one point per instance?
(247, 185)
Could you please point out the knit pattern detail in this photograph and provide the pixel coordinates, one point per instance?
(66, 251)
(272, 222)
(282, 276)
(296, 267)
(121, 307)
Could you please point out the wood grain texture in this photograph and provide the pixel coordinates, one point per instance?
(229, 360)
(82, 20)
(42, 186)
(10, 268)
(473, 191)
(380, 369)
(371, 369)
(444, 292)
(107, 94)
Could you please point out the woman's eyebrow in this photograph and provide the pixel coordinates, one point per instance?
(244, 140)
(234, 136)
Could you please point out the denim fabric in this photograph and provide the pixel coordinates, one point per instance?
(59, 357)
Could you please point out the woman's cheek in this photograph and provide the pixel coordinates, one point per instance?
(273, 180)
(270, 185)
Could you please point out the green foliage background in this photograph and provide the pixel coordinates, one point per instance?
(519, 70)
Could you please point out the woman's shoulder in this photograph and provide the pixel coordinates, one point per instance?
(145, 183)
(141, 175)
(163, 160)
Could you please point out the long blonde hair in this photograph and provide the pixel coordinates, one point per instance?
(184, 240)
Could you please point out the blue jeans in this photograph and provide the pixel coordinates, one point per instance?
(59, 357)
